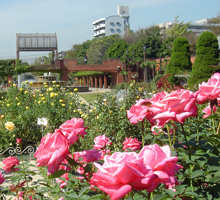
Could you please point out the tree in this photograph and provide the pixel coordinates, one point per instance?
(73, 53)
(116, 49)
(98, 47)
(206, 55)
(177, 29)
(213, 24)
(180, 59)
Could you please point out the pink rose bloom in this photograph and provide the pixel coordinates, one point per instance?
(18, 140)
(52, 151)
(10, 163)
(132, 143)
(176, 106)
(215, 76)
(101, 141)
(87, 155)
(207, 111)
(141, 110)
(2, 179)
(72, 129)
(163, 165)
(121, 172)
(208, 90)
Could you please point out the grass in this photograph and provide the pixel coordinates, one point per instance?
(89, 97)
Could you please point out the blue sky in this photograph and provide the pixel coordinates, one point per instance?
(72, 20)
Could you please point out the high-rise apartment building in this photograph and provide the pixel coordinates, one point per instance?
(114, 24)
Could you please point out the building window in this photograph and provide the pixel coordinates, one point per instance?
(112, 23)
(118, 23)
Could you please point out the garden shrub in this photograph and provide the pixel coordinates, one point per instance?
(206, 55)
(180, 59)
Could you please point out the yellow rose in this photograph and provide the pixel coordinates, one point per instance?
(61, 100)
(20, 89)
(18, 103)
(27, 107)
(25, 92)
(63, 104)
(50, 89)
(31, 83)
(9, 126)
(8, 104)
(75, 89)
(9, 81)
(54, 81)
(52, 104)
(14, 85)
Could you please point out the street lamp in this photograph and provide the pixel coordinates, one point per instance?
(85, 59)
(144, 51)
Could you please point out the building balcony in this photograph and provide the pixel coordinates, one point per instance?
(98, 27)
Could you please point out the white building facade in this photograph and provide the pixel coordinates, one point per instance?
(114, 24)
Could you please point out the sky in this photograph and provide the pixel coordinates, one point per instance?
(72, 20)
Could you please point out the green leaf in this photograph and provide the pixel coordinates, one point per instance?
(98, 196)
(170, 192)
(83, 190)
(213, 168)
(161, 197)
(148, 137)
(180, 189)
(57, 174)
(197, 173)
(214, 180)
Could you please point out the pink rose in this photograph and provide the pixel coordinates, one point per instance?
(132, 143)
(72, 129)
(104, 152)
(121, 172)
(2, 179)
(215, 76)
(10, 163)
(161, 162)
(176, 106)
(143, 109)
(209, 90)
(52, 151)
(87, 155)
(101, 141)
(208, 111)
(18, 140)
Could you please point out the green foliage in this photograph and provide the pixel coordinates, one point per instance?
(87, 73)
(98, 47)
(177, 29)
(206, 55)
(116, 49)
(12, 67)
(180, 59)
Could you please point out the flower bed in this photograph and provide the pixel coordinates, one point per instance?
(164, 146)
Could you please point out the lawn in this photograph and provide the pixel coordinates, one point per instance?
(89, 97)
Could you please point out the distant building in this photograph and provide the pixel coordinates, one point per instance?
(197, 27)
(114, 24)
